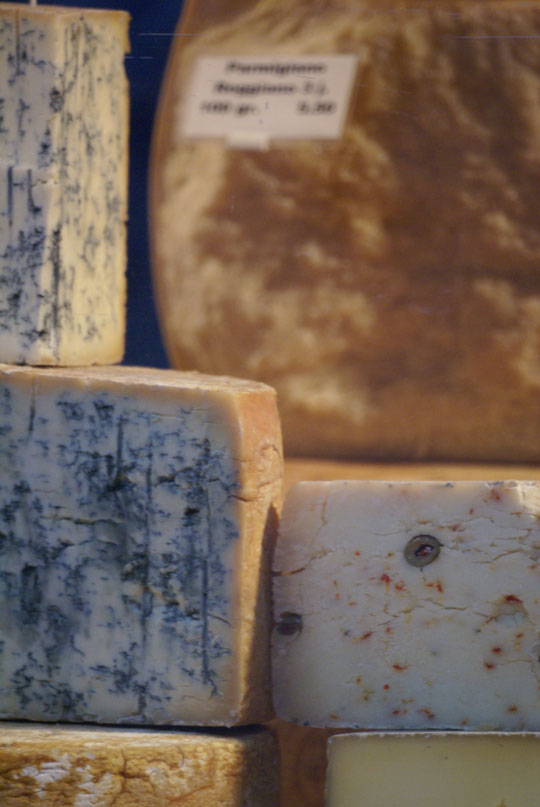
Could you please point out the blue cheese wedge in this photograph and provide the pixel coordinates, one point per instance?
(409, 605)
(137, 511)
(63, 184)
(446, 769)
(81, 767)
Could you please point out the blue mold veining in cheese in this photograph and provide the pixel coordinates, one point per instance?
(119, 528)
(63, 185)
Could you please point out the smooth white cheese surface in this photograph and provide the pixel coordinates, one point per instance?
(63, 184)
(133, 548)
(422, 770)
(89, 767)
(365, 639)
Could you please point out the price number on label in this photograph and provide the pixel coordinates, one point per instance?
(316, 107)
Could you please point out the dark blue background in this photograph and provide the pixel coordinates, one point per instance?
(152, 25)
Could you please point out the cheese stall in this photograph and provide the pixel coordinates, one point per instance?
(300, 565)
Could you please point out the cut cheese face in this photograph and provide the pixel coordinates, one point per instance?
(80, 767)
(420, 770)
(138, 506)
(385, 283)
(409, 605)
(64, 110)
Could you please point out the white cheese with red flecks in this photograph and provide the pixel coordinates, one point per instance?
(409, 605)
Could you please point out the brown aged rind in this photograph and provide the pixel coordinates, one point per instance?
(63, 767)
(386, 284)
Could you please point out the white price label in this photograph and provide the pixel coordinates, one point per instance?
(250, 101)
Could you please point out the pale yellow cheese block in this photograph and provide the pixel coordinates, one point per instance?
(386, 284)
(445, 769)
(89, 767)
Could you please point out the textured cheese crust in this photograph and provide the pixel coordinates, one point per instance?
(386, 284)
(138, 510)
(63, 185)
(420, 770)
(79, 767)
(365, 638)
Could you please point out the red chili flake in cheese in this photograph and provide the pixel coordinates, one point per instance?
(399, 586)
(385, 579)
(366, 635)
(428, 713)
(400, 667)
(496, 649)
(488, 665)
(512, 709)
(386, 686)
(512, 598)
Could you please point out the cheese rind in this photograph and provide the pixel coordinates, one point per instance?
(63, 185)
(79, 767)
(138, 507)
(419, 770)
(451, 644)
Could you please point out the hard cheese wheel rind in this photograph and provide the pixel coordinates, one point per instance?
(364, 639)
(63, 767)
(63, 185)
(139, 507)
(419, 770)
(386, 284)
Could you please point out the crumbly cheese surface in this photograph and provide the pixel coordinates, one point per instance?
(365, 637)
(133, 548)
(63, 185)
(446, 769)
(80, 767)
(386, 284)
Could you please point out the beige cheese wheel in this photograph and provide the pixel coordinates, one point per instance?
(386, 284)
(89, 767)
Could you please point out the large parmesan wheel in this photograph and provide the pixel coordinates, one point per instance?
(387, 282)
